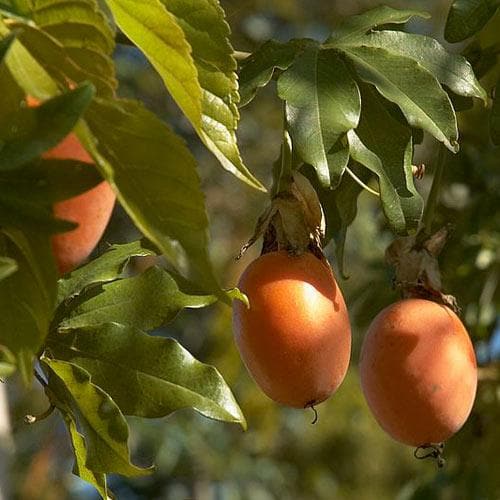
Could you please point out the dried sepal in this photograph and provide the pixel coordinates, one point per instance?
(294, 221)
(417, 274)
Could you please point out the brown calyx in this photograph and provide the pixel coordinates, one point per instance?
(414, 259)
(294, 221)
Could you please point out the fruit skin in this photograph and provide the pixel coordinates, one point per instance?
(90, 210)
(418, 371)
(295, 339)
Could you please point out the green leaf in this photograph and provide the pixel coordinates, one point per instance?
(7, 363)
(145, 301)
(26, 296)
(495, 117)
(467, 17)
(156, 179)
(450, 69)
(340, 207)
(100, 421)
(408, 84)
(257, 69)
(79, 24)
(156, 32)
(322, 102)
(69, 64)
(19, 212)
(5, 44)
(49, 181)
(27, 72)
(147, 376)
(356, 26)
(345, 202)
(106, 267)
(188, 45)
(80, 469)
(14, 8)
(393, 202)
(8, 266)
(392, 163)
(45, 126)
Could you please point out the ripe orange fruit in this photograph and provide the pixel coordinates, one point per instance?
(418, 371)
(295, 339)
(90, 210)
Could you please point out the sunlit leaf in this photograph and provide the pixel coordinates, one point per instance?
(100, 421)
(187, 43)
(106, 267)
(145, 301)
(147, 376)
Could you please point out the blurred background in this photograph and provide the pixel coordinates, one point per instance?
(345, 455)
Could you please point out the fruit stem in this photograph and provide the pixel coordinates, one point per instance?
(433, 198)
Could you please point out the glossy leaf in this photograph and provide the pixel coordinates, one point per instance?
(467, 17)
(44, 127)
(322, 102)
(100, 421)
(26, 297)
(495, 117)
(450, 69)
(408, 84)
(355, 26)
(187, 43)
(147, 376)
(106, 267)
(145, 301)
(257, 69)
(139, 154)
(80, 469)
(156, 32)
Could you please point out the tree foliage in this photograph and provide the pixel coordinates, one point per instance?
(354, 106)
